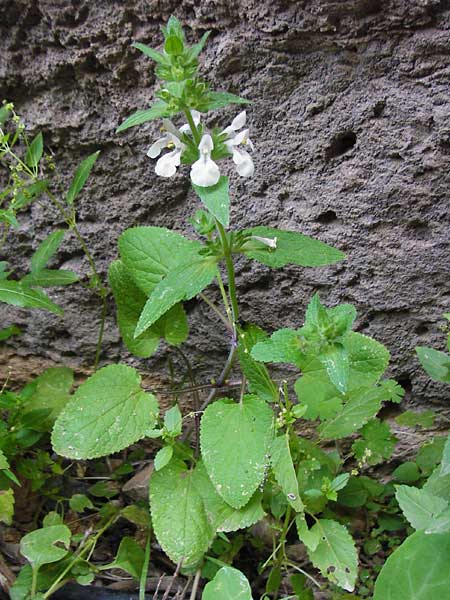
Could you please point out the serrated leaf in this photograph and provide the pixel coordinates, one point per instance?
(435, 363)
(173, 420)
(377, 444)
(130, 301)
(284, 472)
(182, 284)
(320, 398)
(81, 176)
(221, 515)
(3, 461)
(362, 406)
(34, 151)
(40, 546)
(6, 506)
(158, 110)
(178, 515)
(292, 248)
(216, 198)
(258, 379)
(107, 413)
(418, 506)
(149, 253)
(408, 472)
(409, 418)
(335, 555)
(19, 294)
(234, 440)
(163, 457)
(51, 392)
(417, 570)
(50, 278)
(151, 53)
(79, 503)
(440, 523)
(283, 346)
(445, 463)
(130, 558)
(220, 99)
(195, 50)
(336, 361)
(228, 584)
(310, 537)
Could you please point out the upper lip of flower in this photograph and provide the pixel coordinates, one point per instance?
(241, 158)
(204, 171)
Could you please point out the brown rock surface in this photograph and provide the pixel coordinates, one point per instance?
(350, 118)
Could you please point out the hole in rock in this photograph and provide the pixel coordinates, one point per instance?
(340, 144)
(327, 217)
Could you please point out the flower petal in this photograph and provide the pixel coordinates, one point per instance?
(206, 144)
(170, 127)
(239, 121)
(205, 172)
(240, 138)
(244, 163)
(156, 147)
(168, 163)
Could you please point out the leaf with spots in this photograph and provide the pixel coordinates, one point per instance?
(283, 469)
(228, 584)
(107, 413)
(178, 514)
(235, 440)
(335, 553)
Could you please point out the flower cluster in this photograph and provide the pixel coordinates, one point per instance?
(204, 171)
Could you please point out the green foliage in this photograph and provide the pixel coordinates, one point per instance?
(410, 418)
(435, 363)
(419, 507)
(130, 558)
(107, 413)
(20, 294)
(418, 569)
(183, 531)
(235, 440)
(284, 471)
(377, 443)
(228, 584)
(81, 176)
(46, 545)
(259, 381)
(34, 151)
(216, 198)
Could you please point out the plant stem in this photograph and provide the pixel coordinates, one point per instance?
(230, 272)
(194, 130)
(143, 578)
(196, 397)
(195, 585)
(213, 307)
(34, 574)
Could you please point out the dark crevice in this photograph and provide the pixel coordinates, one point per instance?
(327, 217)
(340, 144)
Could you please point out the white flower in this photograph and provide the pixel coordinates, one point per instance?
(196, 118)
(271, 242)
(205, 172)
(241, 158)
(167, 165)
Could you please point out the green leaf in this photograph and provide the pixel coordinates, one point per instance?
(234, 442)
(377, 444)
(173, 45)
(310, 537)
(130, 301)
(445, 464)
(410, 418)
(354, 494)
(320, 398)
(9, 217)
(151, 53)
(8, 332)
(18, 294)
(107, 413)
(79, 503)
(284, 471)
(27, 195)
(3, 461)
(150, 253)
(336, 361)
(335, 555)
(163, 457)
(221, 515)
(34, 152)
(418, 506)
(178, 515)
(408, 472)
(220, 99)
(283, 346)
(130, 558)
(6, 506)
(216, 198)
(158, 110)
(40, 546)
(362, 406)
(195, 50)
(417, 570)
(258, 379)
(173, 421)
(46, 250)
(183, 283)
(228, 584)
(50, 278)
(440, 523)
(292, 248)
(51, 391)
(81, 176)
(435, 363)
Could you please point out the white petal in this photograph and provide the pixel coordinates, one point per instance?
(240, 137)
(244, 163)
(206, 144)
(168, 163)
(196, 116)
(239, 121)
(155, 149)
(205, 172)
(170, 127)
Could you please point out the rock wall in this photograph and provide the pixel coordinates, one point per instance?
(350, 119)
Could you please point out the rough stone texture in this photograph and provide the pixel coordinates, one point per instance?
(350, 119)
